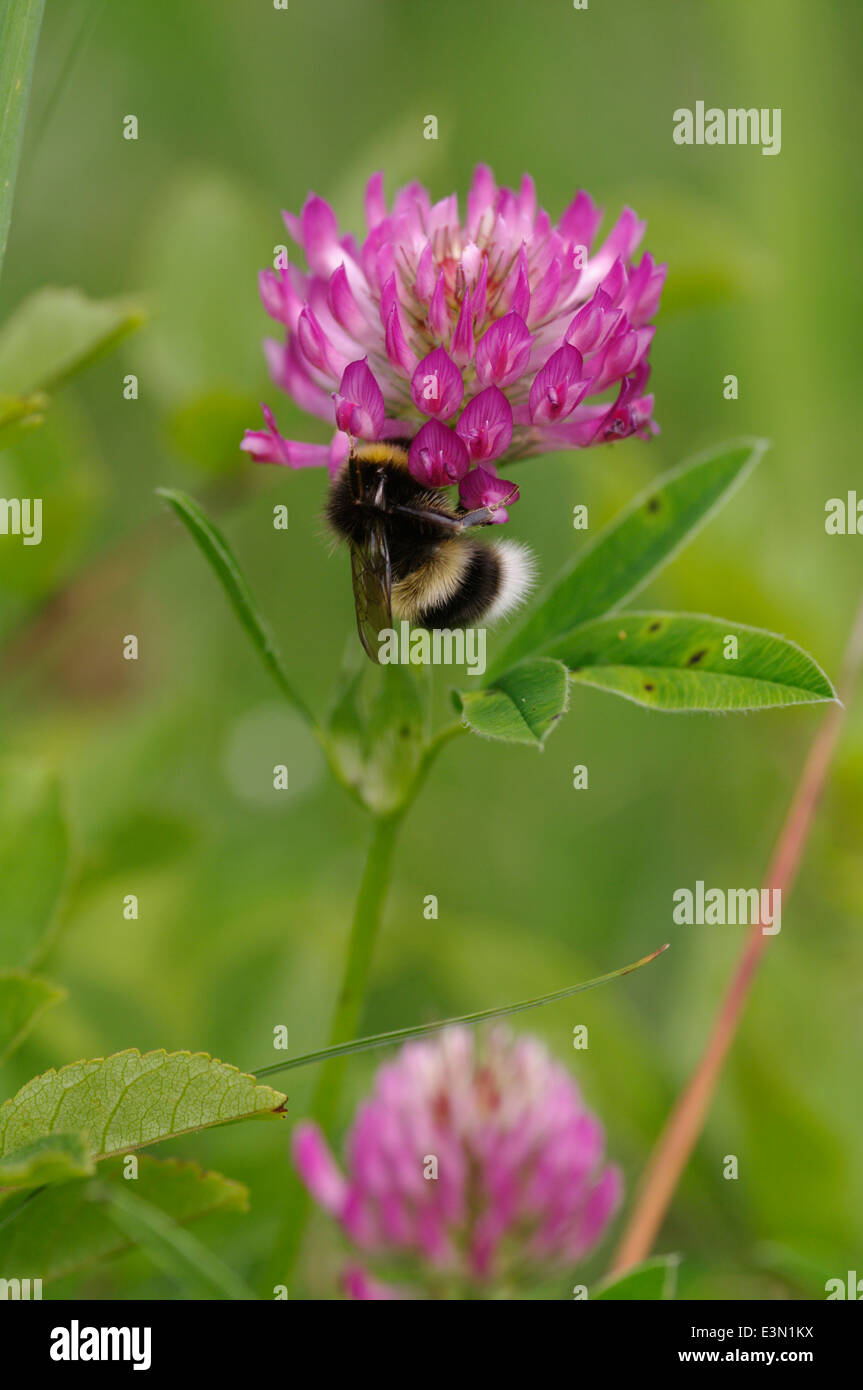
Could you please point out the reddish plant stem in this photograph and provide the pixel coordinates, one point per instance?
(680, 1135)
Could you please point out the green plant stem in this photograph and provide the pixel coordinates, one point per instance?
(19, 34)
(368, 914)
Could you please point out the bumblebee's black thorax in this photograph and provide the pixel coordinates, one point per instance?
(369, 491)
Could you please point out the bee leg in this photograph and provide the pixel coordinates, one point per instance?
(439, 520)
(480, 516)
(483, 516)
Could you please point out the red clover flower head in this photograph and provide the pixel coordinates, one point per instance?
(475, 1158)
(481, 340)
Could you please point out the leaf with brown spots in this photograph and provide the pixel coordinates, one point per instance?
(623, 557)
(678, 661)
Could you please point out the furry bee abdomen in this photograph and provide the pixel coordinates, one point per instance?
(455, 587)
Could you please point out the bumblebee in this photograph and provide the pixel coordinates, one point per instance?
(410, 555)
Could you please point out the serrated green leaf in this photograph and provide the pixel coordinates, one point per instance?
(654, 1280)
(56, 333)
(131, 1099)
(218, 553)
(56, 1158)
(22, 999)
(677, 662)
(522, 706)
(63, 1230)
(34, 862)
(623, 557)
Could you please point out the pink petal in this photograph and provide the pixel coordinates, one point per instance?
(425, 277)
(396, 1222)
(339, 448)
(294, 226)
(398, 352)
(471, 259)
(433, 1238)
(263, 448)
(360, 409)
(485, 424)
(436, 386)
(385, 273)
(290, 371)
(279, 297)
(483, 488)
(343, 305)
(546, 292)
(558, 387)
(579, 223)
(621, 241)
(462, 345)
(318, 1168)
(480, 198)
(437, 455)
(360, 1286)
(579, 431)
(601, 1205)
(438, 315)
(503, 352)
(413, 203)
(637, 280)
(645, 288)
(615, 282)
(480, 293)
(375, 202)
(515, 294)
(527, 199)
(314, 343)
(622, 355)
(443, 215)
(320, 233)
(593, 324)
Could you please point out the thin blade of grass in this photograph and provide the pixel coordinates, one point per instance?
(422, 1030)
(179, 1254)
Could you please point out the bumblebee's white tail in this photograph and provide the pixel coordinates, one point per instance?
(517, 578)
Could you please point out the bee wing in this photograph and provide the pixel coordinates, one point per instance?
(372, 579)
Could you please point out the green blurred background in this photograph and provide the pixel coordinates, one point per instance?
(245, 893)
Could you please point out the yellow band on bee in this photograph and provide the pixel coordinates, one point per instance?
(380, 451)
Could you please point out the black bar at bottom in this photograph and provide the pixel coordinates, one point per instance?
(62, 1339)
